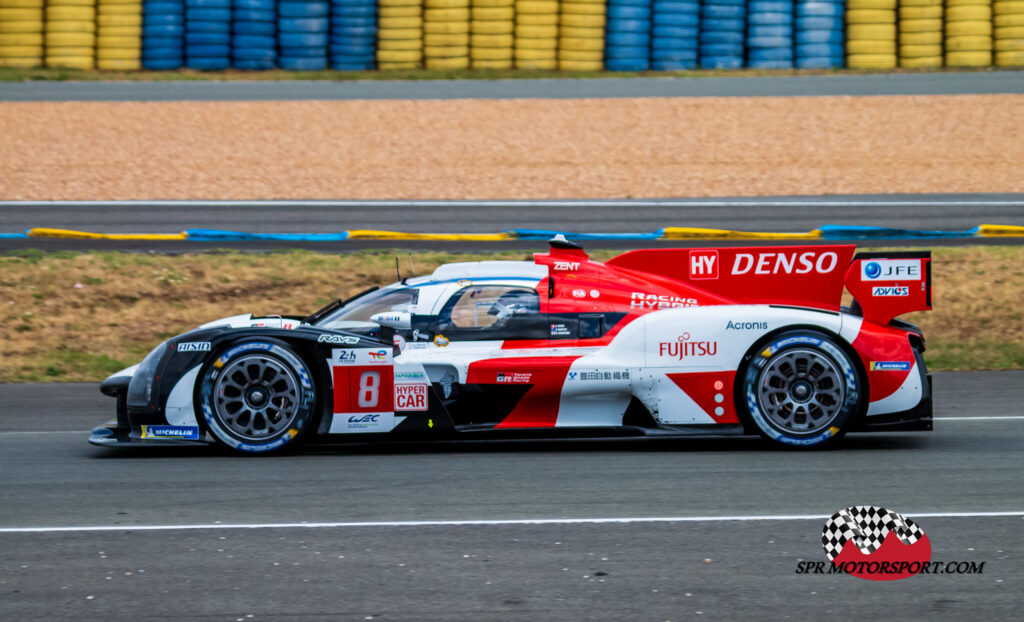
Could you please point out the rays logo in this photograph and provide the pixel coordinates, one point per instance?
(873, 543)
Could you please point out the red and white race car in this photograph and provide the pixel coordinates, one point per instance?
(709, 341)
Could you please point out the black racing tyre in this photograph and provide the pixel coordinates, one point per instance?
(801, 389)
(258, 396)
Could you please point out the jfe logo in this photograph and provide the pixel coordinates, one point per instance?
(891, 270)
(704, 264)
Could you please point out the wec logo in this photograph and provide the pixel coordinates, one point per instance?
(364, 419)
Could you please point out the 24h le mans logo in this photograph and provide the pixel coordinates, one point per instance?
(875, 544)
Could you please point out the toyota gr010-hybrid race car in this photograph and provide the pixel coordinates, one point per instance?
(652, 342)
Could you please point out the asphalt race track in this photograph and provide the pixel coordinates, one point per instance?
(950, 212)
(166, 547)
(936, 83)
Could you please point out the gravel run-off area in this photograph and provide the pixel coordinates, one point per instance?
(459, 149)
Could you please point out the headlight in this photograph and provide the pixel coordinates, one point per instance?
(140, 389)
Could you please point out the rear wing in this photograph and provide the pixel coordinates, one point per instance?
(889, 284)
(802, 276)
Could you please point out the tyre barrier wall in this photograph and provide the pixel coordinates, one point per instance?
(492, 36)
(22, 28)
(446, 34)
(253, 34)
(207, 34)
(825, 232)
(163, 34)
(571, 35)
(353, 42)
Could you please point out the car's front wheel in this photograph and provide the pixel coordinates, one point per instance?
(801, 389)
(257, 396)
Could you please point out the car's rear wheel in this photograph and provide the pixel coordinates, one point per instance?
(801, 389)
(257, 396)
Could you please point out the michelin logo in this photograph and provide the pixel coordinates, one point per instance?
(890, 366)
(178, 432)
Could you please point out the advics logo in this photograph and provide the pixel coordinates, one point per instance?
(896, 290)
(873, 543)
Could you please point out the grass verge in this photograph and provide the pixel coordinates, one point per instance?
(11, 74)
(71, 316)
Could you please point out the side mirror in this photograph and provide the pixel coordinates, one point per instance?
(399, 320)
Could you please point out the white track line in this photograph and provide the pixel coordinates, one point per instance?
(462, 523)
(1013, 417)
(522, 203)
(25, 432)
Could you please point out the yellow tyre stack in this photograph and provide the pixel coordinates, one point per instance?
(1009, 32)
(871, 34)
(400, 34)
(581, 48)
(21, 33)
(968, 33)
(920, 32)
(446, 34)
(492, 38)
(536, 42)
(119, 34)
(71, 33)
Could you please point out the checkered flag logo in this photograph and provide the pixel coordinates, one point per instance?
(866, 526)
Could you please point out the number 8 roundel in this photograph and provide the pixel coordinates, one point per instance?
(363, 389)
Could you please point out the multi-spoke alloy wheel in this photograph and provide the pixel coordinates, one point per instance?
(257, 396)
(801, 388)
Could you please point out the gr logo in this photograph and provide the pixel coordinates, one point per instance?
(703, 264)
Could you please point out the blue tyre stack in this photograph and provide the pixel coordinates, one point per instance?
(723, 30)
(770, 34)
(353, 34)
(627, 45)
(163, 34)
(208, 34)
(676, 30)
(819, 34)
(302, 31)
(254, 34)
